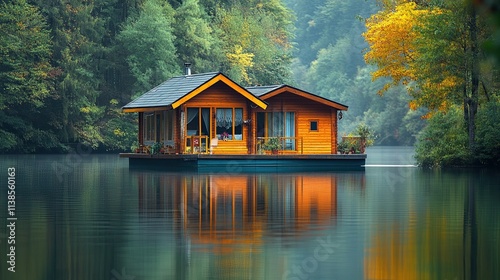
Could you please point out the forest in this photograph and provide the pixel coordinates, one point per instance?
(421, 73)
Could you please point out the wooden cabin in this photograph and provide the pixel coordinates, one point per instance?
(209, 113)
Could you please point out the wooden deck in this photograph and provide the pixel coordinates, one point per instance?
(246, 163)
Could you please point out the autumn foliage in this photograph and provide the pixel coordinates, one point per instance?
(391, 36)
(435, 50)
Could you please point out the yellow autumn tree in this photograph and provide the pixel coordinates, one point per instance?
(436, 46)
(241, 61)
(391, 35)
(403, 50)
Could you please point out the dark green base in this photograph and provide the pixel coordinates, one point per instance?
(247, 163)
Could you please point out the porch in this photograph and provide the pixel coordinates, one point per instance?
(196, 144)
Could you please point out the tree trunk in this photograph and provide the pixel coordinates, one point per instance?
(473, 103)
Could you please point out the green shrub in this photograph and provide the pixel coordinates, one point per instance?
(488, 133)
(443, 142)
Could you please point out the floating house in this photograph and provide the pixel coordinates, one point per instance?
(208, 120)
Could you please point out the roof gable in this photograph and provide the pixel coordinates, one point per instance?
(176, 91)
(266, 92)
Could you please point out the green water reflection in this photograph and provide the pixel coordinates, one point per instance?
(98, 220)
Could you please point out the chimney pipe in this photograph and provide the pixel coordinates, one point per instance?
(187, 69)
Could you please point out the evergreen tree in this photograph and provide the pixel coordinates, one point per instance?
(25, 76)
(194, 39)
(149, 44)
(77, 34)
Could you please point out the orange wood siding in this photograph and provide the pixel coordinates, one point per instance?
(222, 96)
(314, 142)
(334, 131)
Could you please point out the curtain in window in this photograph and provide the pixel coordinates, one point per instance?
(275, 124)
(149, 127)
(290, 130)
(238, 116)
(192, 113)
(205, 115)
(169, 127)
(282, 124)
(224, 118)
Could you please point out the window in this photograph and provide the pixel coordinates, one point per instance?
(198, 121)
(168, 127)
(279, 124)
(229, 123)
(149, 127)
(313, 125)
(159, 127)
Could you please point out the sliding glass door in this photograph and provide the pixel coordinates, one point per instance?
(198, 122)
(278, 124)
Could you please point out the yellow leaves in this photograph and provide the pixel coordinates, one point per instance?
(394, 38)
(240, 58)
(89, 109)
(413, 105)
(391, 36)
(241, 61)
(118, 132)
(85, 110)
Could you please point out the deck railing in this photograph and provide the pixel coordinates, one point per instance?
(196, 144)
(287, 144)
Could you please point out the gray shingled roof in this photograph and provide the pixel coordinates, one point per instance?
(170, 91)
(261, 90)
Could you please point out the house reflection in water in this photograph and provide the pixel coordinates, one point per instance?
(238, 209)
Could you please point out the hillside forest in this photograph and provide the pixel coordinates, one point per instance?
(421, 73)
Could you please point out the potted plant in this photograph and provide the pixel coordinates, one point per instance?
(136, 147)
(273, 144)
(343, 147)
(366, 137)
(156, 147)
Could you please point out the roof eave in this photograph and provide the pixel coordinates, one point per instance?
(146, 109)
(303, 93)
(220, 77)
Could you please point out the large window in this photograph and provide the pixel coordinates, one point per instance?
(167, 127)
(229, 123)
(198, 121)
(159, 127)
(149, 127)
(278, 124)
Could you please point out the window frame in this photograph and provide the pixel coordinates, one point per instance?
(283, 117)
(149, 132)
(311, 123)
(232, 135)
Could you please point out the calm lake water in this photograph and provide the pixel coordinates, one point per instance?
(87, 216)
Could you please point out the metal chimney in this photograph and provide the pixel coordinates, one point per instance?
(187, 69)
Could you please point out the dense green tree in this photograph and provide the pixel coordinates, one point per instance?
(444, 140)
(255, 42)
(149, 44)
(194, 38)
(25, 77)
(488, 133)
(76, 33)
